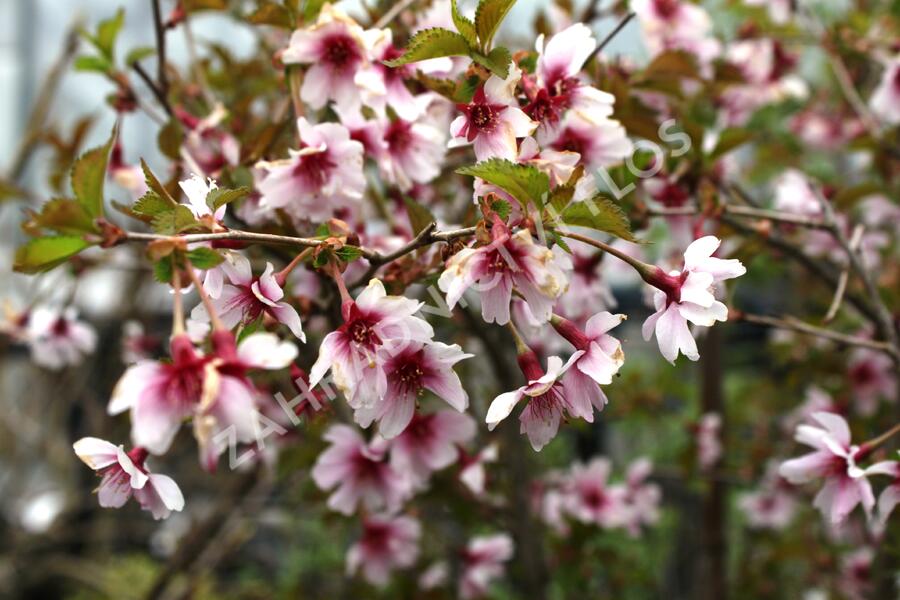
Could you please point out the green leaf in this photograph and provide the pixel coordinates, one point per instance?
(170, 138)
(138, 54)
(222, 196)
(42, 254)
(204, 258)
(502, 208)
(107, 32)
(672, 64)
(162, 270)
(154, 184)
(62, 215)
(151, 205)
(348, 253)
(560, 241)
(525, 183)
(730, 139)
(432, 43)
(174, 221)
(419, 216)
(92, 64)
(488, 16)
(88, 176)
(464, 25)
(195, 5)
(311, 9)
(497, 62)
(272, 14)
(599, 213)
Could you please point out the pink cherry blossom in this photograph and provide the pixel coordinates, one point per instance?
(410, 371)
(430, 443)
(208, 144)
(326, 174)
(509, 261)
(642, 498)
(557, 87)
(547, 397)
(588, 287)
(473, 474)
(771, 505)
(483, 561)
(590, 499)
(601, 143)
(493, 119)
(336, 48)
(375, 326)
(709, 440)
(885, 100)
(359, 473)
(676, 25)
(873, 377)
(600, 360)
(57, 338)
(414, 151)
(794, 194)
(386, 544)
(125, 475)
(247, 297)
(688, 296)
(890, 495)
(558, 165)
(834, 460)
(382, 86)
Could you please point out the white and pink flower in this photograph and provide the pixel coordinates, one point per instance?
(414, 152)
(509, 261)
(794, 194)
(326, 174)
(247, 298)
(885, 100)
(676, 25)
(375, 326)
(57, 338)
(359, 474)
(833, 460)
(687, 295)
(196, 190)
(890, 495)
(387, 543)
(430, 443)
(125, 475)
(493, 121)
(602, 143)
(590, 499)
(483, 560)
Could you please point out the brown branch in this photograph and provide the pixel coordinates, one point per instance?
(844, 278)
(799, 326)
(157, 92)
(392, 13)
(745, 211)
(609, 37)
(160, 29)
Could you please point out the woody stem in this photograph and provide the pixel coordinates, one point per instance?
(177, 303)
(877, 441)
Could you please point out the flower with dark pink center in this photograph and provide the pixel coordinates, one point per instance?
(386, 544)
(430, 443)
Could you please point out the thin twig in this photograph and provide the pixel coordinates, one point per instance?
(609, 37)
(802, 327)
(157, 92)
(392, 13)
(844, 278)
(160, 29)
(746, 211)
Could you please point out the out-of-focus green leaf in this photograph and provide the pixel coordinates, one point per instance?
(107, 32)
(92, 64)
(204, 258)
(44, 253)
(222, 196)
(273, 14)
(154, 184)
(419, 216)
(464, 25)
(170, 138)
(89, 174)
(730, 139)
(62, 215)
(138, 54)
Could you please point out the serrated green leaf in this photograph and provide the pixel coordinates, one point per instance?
(464, 25)
(63, 215)
(154, 184)
(598, 213)
(204, 258)
(221, 196)
(174, 221)
(45, 253)
(92, 64)
(560, 241)
(419, 216)
(432, 43)
(525, 183)
(151, 205)
(497, 62)
(272, 14)
(89, 174)
(488, 16)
